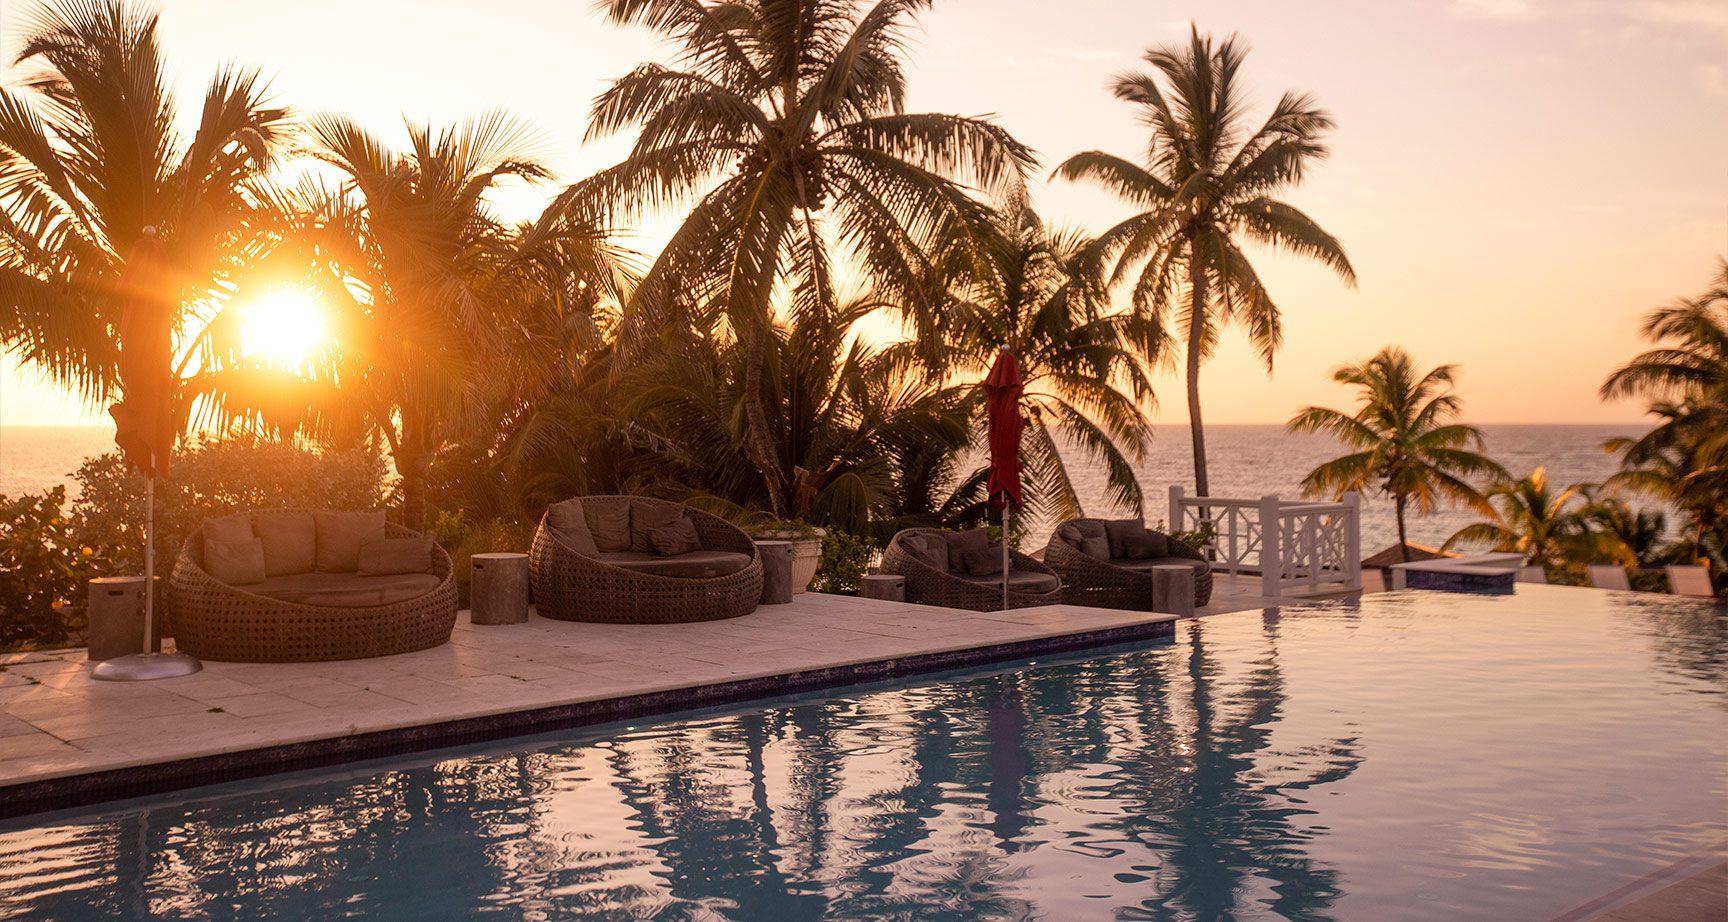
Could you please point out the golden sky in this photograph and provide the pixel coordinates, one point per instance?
(1516, 181)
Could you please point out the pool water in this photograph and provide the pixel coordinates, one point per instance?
(1416, 756)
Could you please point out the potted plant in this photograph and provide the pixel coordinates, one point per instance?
(806, 546)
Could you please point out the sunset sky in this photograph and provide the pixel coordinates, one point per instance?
(1516, 181)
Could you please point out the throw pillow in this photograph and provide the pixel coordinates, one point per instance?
(290, 540)
(983, 561)
(677, 538)
(1119, 530)
(1147, 546)
(648, 517)
(931, 550)
(570, 527)
(1096, 548)
(389, 556)
(959, 542)
(235, 563)
(229, 528)
(342, 534)
(609, 523)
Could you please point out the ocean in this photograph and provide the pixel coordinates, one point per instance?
(1246, 461)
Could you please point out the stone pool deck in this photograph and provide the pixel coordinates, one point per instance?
(66, 739)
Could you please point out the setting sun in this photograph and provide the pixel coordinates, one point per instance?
(283, 327)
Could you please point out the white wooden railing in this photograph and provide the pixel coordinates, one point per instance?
(1312, 548)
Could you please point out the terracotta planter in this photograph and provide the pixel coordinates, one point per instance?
(806, 554)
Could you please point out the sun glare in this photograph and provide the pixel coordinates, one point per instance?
(283, 327)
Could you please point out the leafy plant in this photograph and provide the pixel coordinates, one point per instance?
(845, 560)
(45, 567)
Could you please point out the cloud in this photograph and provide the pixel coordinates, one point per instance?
(1712, 79)
(1706, 14)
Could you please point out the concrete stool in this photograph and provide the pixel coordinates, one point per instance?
(498, 593)
(776, 571)
(884, 586)
(117, 618)
(1173, 589)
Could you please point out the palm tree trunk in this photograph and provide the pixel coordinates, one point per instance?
(756, 440)
(1403, 538)
(1196, 330)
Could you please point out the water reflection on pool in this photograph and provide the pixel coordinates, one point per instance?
(1417, 756)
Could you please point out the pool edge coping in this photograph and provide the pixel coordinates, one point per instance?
(87, 789)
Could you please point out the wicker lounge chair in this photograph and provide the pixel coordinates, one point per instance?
(721, 578)
(1114, 581)
(308, 615)
(1030, 583)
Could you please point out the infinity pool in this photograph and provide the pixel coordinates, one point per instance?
(1415, 756)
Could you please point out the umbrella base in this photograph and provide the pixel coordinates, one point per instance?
(142, 667)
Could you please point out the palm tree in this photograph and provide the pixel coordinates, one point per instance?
(90, 154)
(1636, 537)
(1691, 364)
(1085, 378)
(1409, 443)
(784, 120)
(443, 313)
(1208, 187)
(1531, 518)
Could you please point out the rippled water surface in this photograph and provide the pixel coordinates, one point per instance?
(1419, 756)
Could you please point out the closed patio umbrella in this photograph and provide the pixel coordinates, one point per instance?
(144, 426)
(1002, 388)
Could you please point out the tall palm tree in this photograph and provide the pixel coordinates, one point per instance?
(784, 120)
(1690, 365)
(442, 311)
(1085, 375)
(90, 154)
(1409, 443)
(1530, 517)
(1209, 187)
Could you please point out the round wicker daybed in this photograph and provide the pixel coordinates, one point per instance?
(720, 578)
(1118, 583)
(1030, 583)
(216, 621)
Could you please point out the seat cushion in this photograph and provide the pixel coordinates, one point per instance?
(290, 540)
(960, 542)
(694, 565)
(346, 590)
(1199, 565)
(648, 517)
(567, 524)
(1020, 581)
(930, 550)
(390, 556)
(609, 523)
(341, 535)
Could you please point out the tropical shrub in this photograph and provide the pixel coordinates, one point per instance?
(43, 567)
(463, 539)
(845, 559)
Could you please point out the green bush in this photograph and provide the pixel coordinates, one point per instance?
(845, 558)
(43, 568)
(463, 540)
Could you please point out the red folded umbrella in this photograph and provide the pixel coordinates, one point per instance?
(1003, 387)
(144, 418)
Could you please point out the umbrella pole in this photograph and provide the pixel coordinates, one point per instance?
(137, 667)
(149, 563)
(1005, 507)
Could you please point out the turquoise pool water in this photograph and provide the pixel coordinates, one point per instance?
(1419, 756)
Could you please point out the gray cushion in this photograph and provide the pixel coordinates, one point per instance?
(983, 561)
(1019, 581)
(609, 523)
(1119, 530)
(1148, 564)
(648, 517)
(290, 540)
(341, 535)
(570, 527)
(234, 563)
(1143, 546)
(694, 565)
(959, 542)
(347, 590)
(680, 537)
(931, 550)
(229, 528)
(388, 556)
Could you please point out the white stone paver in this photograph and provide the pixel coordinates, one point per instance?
(57, 721)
